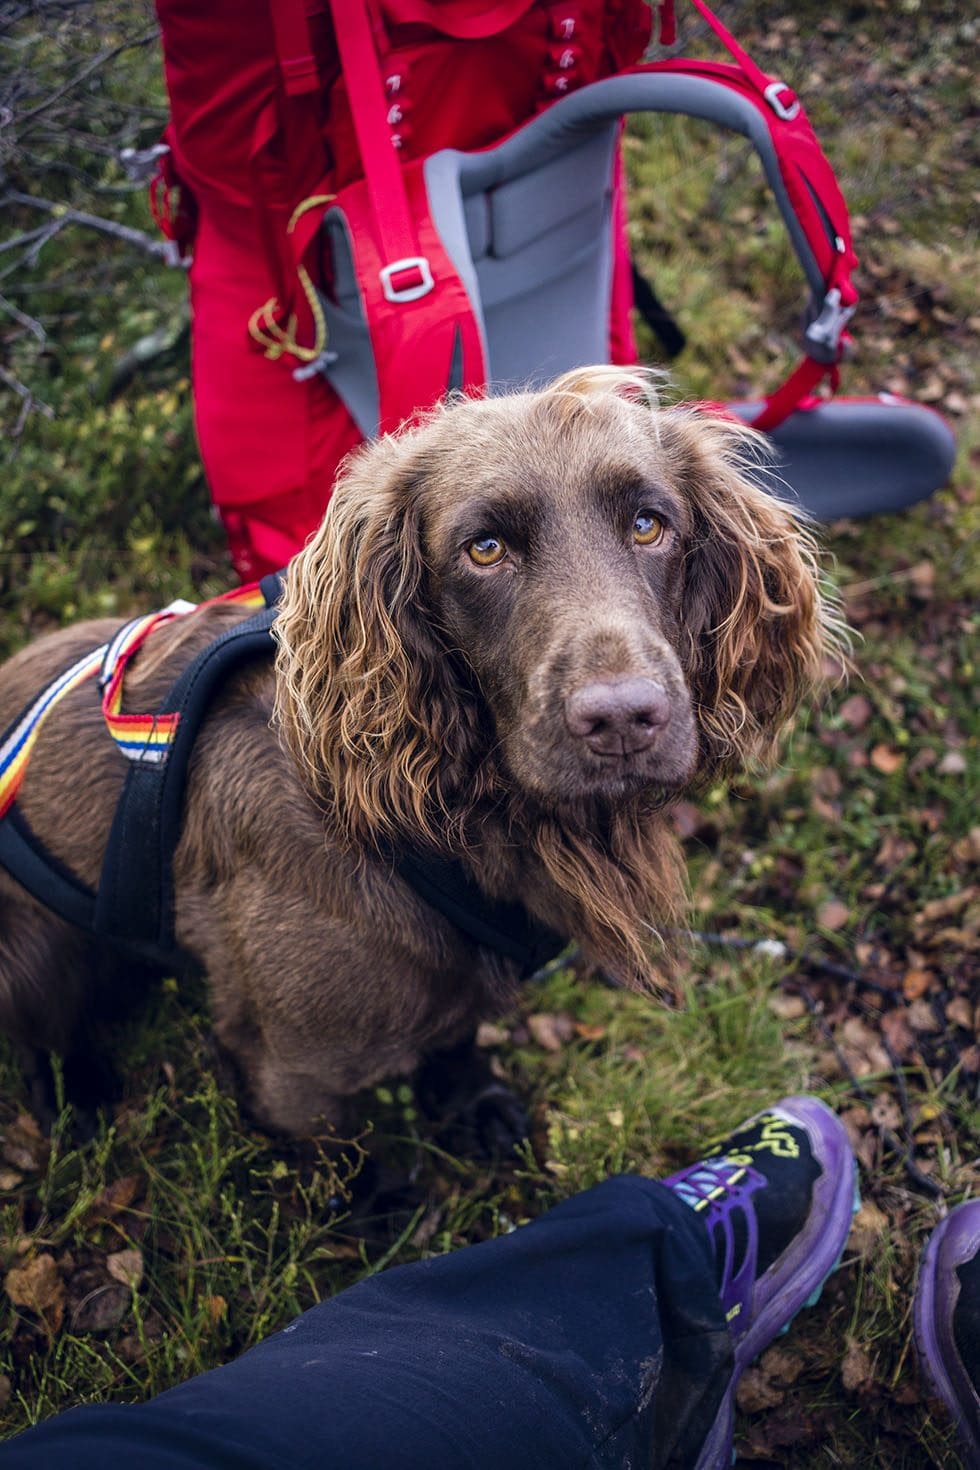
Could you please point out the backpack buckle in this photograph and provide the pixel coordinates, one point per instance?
(824, 332)
(786, 110)
(420, 283)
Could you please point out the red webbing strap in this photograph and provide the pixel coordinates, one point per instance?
(667, 29)
(461, 22)
(800, 384)
(294, 47)
(815, 198)
(382, 171)
(755, 74)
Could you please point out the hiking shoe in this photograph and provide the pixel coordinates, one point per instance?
(777, 1198)
(946, 1317)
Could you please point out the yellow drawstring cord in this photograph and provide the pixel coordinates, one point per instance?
(262, 325)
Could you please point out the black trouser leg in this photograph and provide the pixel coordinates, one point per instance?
(593, 1337)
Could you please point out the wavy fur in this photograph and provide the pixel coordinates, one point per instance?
(386, 721)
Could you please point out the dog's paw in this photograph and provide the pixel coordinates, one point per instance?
(497, 1120)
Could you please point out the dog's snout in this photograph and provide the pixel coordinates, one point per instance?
(621, 717)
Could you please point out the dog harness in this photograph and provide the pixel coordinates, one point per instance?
(132, 908)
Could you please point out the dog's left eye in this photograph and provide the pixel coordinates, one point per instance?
(648, 528)
(486, 551)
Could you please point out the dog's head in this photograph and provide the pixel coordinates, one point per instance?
(571, 595)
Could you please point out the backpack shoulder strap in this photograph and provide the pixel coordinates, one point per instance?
(769, 112)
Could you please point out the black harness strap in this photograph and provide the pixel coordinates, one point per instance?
(25, 857)
(135, 899)
(506, 927)
(133, 908)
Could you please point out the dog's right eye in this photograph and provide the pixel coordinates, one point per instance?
(486, 551)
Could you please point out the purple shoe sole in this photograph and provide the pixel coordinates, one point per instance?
(954, 1241)
(796, 1279)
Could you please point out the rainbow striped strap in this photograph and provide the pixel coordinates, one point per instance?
(139, 737)
(19, 742)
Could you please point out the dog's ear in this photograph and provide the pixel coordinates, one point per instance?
(759, 622)
(368, 700)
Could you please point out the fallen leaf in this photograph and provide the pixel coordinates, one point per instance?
(886, 760)
(833, 914)
(589, 1033)
(922, 1018)
(97, 1304)
(885, 1112)
(615, 1117)
(38, 1287)
(550, 1031)
(6, 1388)
(216, 1308)
(893, 850)
(916, 983)
(897, 1032)
(856, 711)
(782, 1364)
(9, 1179)
(487, 1034)
(960, 1012)
(953, 763)
(115, 1197)
(756, 1391)
(24, 1145)
(787, 1007)
(126, 1266)
(855, 1370)
(867, 1228)
(946, 908)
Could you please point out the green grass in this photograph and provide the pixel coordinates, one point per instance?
(103, 508)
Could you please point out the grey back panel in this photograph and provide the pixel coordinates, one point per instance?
(858, 456)
(533, 245)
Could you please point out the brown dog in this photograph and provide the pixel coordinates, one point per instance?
(520, 631)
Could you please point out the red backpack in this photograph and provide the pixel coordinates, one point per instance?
(438, 185)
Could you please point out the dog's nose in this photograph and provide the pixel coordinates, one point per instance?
(621, 717)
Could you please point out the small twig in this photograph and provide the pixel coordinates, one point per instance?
(31, 323)
(83, 73)
(161, 249)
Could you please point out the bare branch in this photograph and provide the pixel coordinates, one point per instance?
(29, 402)
(84, 72)
(161, 249)
(31, 324)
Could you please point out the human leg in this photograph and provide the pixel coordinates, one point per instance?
(595, 1336)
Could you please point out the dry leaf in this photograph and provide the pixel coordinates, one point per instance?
(127, 1267)
(960, 1012)
(886, 760)
(24, 1145)
(867, 1228)
(856, 1368)
(885, 1112)
(782, 1364)
(787, 1007)
(38, 1287)
(922, 1018)
(953, 763)
(589, 1033)
(216, 1308)
(916, 983)
(6, 1388)
(856, 711)
(9, 1179)
(897, 1032)
(487, 1034)
(117, 1196)
(833, 914)
(946, 908)
(757, 1391)
(550, 1031)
